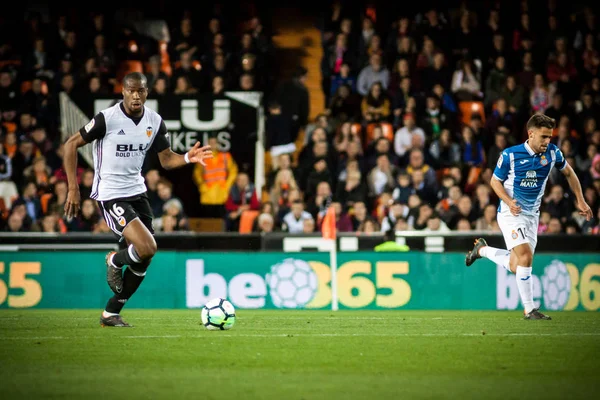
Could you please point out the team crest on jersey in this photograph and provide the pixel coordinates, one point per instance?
(149, 131)
(88, 127)
(544, 161)
(121, 221)
(514, 235)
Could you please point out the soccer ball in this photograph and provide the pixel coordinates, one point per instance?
(292, 283)
(556, 282)
(218, 314)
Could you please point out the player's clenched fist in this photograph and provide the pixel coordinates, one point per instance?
(515, 209)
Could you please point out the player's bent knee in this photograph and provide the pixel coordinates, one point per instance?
(147, 249)
(525, 259)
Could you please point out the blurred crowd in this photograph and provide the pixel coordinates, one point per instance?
(419, 107)
(44, 52)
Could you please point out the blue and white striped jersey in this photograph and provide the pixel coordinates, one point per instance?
(525, 173)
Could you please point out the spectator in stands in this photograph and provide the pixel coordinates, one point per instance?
(279, 133)
(343, 77)
(403, 139)
(374, 72)
(214, 180)
(39, 173)
(557, 205)
(320, 172)
(173, 212)
(184, 40)
(90, 215)
(15, 223)
(293, 222)
(284, 183)
(346, 134)
(344, 105)
(485, 222)
(472, 149)
(8, 189)
(416, 161)
(434, 118)
(154, 71)
(352, 191)
(382, 177)
(395, 212)
(295, 99)
(540, 96)
(514, 95)
(22, 159)
(464, 209)
(495, 81)
(466, 82)
(242, 197)
(265, 223)
(31, 201)
(554, 226)
(335, 64)
(358, 214)
(375, 105)
(444, 151)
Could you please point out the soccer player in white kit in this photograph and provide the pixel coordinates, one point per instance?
(122, 135)
(519, 181)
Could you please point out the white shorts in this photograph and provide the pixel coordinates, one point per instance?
(518, 229)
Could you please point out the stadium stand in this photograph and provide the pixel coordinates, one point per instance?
(419, 104)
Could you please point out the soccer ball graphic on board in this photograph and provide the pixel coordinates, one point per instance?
(292, 283)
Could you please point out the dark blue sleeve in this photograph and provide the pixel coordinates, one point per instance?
(560, 163)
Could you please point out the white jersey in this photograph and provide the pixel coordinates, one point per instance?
(120, 144)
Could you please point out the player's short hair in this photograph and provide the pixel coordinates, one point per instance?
(538, 121)
(135, 76)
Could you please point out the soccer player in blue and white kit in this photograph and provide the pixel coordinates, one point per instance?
(519, 181)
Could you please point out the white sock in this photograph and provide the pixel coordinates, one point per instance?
(525, 285)
(110, 260)
(499, 256)
(107, 314)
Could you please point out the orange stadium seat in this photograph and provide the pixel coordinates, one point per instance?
(125, 67)
(45, 200)
(247, 220)
(468, 108)
(165, 59)
(388, 131)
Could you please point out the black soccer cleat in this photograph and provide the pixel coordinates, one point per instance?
(115, 321)
(114, 276)
(474, 254)
(536, 314)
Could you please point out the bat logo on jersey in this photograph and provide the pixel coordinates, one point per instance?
(130, 150)
(530, 180)
(149, 131)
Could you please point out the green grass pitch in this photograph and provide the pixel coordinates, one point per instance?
(300, 355)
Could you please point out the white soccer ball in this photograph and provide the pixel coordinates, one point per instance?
(218, 314)
(292, 283)
(556, 283)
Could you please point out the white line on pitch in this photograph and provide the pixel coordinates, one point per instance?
(220, 335)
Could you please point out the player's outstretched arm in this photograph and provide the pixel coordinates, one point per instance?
(72, 203)
(582, 206)
(170, 160)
